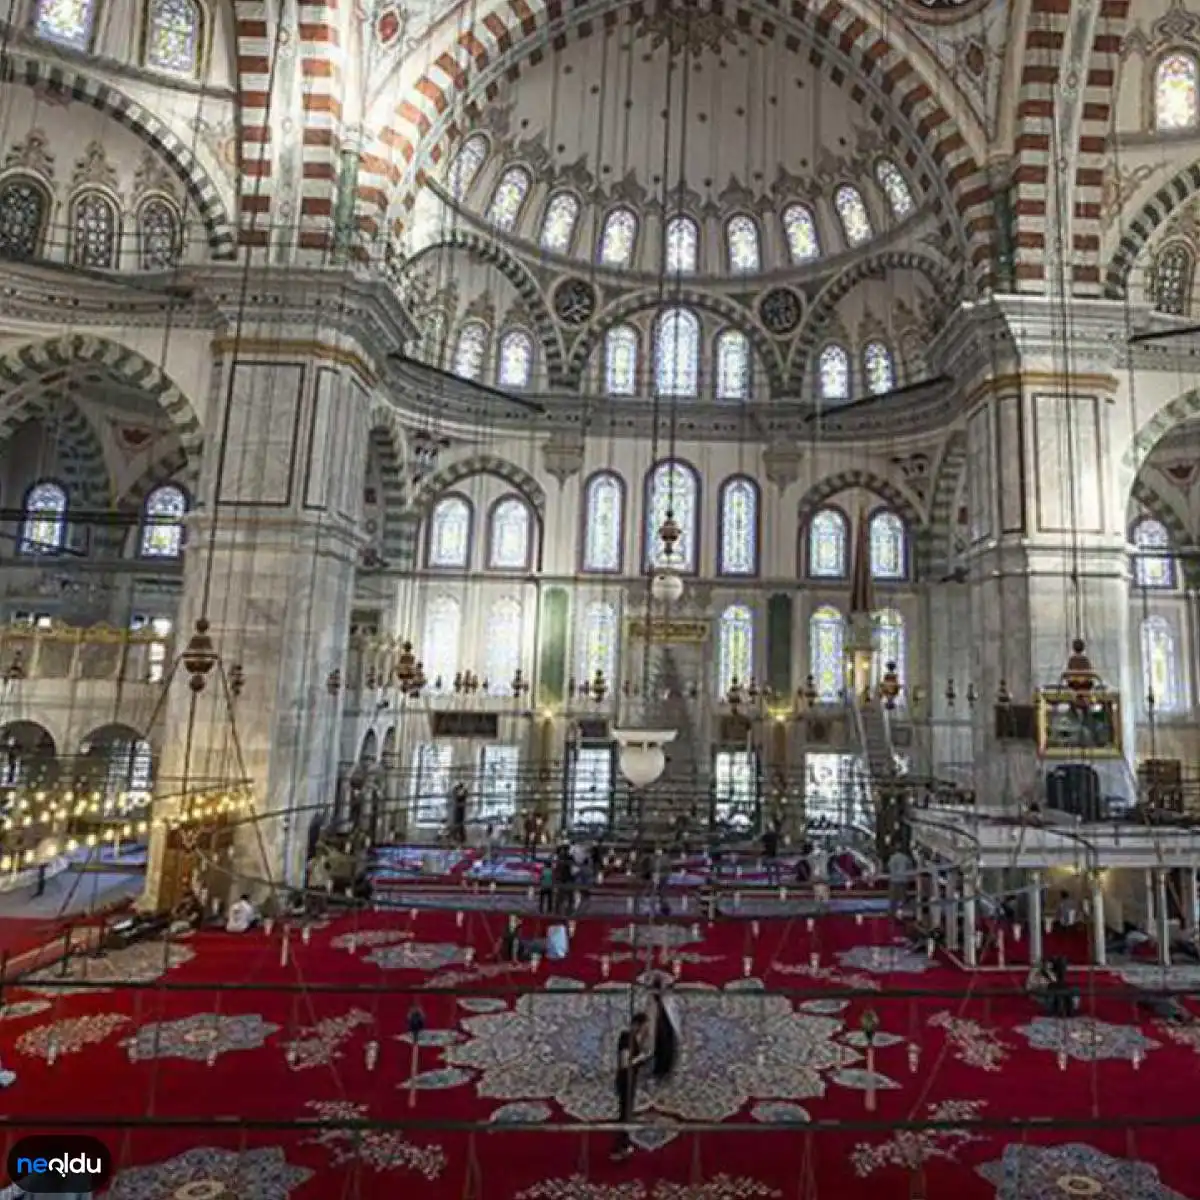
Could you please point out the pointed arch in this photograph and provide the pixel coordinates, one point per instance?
(933, 544)
(387, 438)
(480, 464)
(898, 500)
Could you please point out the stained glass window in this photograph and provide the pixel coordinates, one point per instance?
(735, 648)
(1160, 665)
(834, 369)
(827, 637)
(852, 212)
(162, 524)
(508, 198)
(735, 789)
(173, 36)
(44, 528)
(431, 784)
(673, 489)
(503, 645)
(471, 350)
(677, 353)
(682, 245)
(604, 501)
(433, 337)
(467, 161)
(23, 210)
(439, 643)
(889, 646)
(836, 791)
(887, 546)
(1171, 286)
(598, 642)
(741, 237)
(739, 528)
(558, 224)
(800, 229)
(895, 188)
(879, 369)
(1153, 563)
(618, 237)
(1175, 98)
(514, 367)
(94, 231)
(591, 787)
(733, 365)
(827, 545)
(159, 239)
(621, 361)
(67, 21)
(508, 538)
(450, 533)
(498, 770)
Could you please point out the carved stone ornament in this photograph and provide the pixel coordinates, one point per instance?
(574, 301)
(781, 464)
(944, 11)
(153, 175)
(94, 167)
(562, 456)
(33, 154)
(780, 310)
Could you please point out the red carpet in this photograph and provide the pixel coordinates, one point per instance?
(750, 1059)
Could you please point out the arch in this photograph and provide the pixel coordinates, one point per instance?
(83, 469)
(1149, 503)
(933, 544)
(386, 438)
(56, 78)
(492, 254)
(24, 741)
(34, 362)
(480, 464)
(368, 752)
(1155, 428)
(843, 481)
(860, 56)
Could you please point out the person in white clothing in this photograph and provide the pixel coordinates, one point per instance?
(243, 916)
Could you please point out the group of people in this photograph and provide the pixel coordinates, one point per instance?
(565, 881)
(649, 1046)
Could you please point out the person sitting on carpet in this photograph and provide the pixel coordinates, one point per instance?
(243, 916)
(1046, 985)
(631, 1053)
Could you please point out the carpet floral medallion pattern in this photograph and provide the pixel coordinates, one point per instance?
(321, 1044)
(1073, 1170)
(142, 962)
(417, 956)
(1177, 977)
(908, 1149)
(885, 960)
(200, 1037)
(720, 1187)
(69, 1036)
(206, 1173)
(20, 1009)
(379, 1149)
(831, 975)
(521, 1112)
(971, 1042)
(1086, 1039)
(478, 974)
(364, 939)
(1182, 1035)
(737, 1046)
(668, 936)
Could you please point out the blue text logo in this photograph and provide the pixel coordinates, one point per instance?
(58, 1164)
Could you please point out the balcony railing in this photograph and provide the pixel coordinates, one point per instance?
(100, 653)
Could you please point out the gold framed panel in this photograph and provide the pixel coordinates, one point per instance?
(1067, 729)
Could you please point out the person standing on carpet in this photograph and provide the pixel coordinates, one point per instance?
(631, 1053)
(665, 1030)
(770, 849)
(546, 890)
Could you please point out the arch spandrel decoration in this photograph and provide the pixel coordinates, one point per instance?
(1149, 502)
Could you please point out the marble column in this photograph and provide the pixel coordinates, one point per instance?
(970, 921)
(950, 909)
(1099, 929)
(1191, 902)
(1163, 914)
(1037, 930)
(1151, 897)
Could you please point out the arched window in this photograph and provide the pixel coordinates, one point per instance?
(682, 246)
(559, 221)
(1171, 283)
(672, 489)
(618, 238)
(24, 208)
(800, 229)
(889, 646)
(598, 643)
(505, 643)
(733, 365)
(162, 522)
(44, 528)
(439, 645)
(1175, 92)
(826, 648)
(677, 353)
(508, 535)
(94, 235)
(450, 533)
(174, 36)
(159, 239)
(509, 198)
(828, 542)
(514, 368)
(895, 188)
(603, 523)
(1160, 666)
(739, 527)
(879, 369)
(621, 361)
(833, 368)
(852, 213)
(887, 546)
(745, 249)
(471, 156)
(1153, 563)
(735, 648)
(471, 350)
(69, 22)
